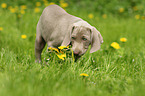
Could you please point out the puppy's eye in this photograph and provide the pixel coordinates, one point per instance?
(73, 37)
(84, 39)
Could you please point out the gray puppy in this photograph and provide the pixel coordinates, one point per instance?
(56, 27)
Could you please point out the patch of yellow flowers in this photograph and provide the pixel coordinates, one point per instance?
(115, 45)
(60, 52)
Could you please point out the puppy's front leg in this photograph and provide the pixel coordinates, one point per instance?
(39, 45)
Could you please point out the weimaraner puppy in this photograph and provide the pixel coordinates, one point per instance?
(58, 28)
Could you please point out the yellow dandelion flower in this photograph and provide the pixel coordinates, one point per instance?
(1, 28)
(23, 36)
(104, 16)
(61, 56)
(137, 17)
(84, 74)
(64, 5)
(51, 3)
(61, 52)
(55, 49)
(22, 11)
(23, 7)
(38, 4)
(67, 46)
(135, 8)
(91, 16)
(115, 45)
(37, 10)
(123, 39)
(50, 48)
(4, 5)
(13, 10)
(62, 47)
(121, 10)
(143, 17)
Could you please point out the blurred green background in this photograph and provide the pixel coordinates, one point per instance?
(125, 8)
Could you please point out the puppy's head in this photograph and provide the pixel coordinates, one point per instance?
(80, 40)
(81, 36)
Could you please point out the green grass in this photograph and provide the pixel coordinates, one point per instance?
(111, 72)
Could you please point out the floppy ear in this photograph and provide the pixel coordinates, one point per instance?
(66, 40)
(96, 40)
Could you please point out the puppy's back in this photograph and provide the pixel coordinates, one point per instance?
(55, 9)
(54, 23)
(50, 18)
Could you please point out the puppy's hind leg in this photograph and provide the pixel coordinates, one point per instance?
(39, 45)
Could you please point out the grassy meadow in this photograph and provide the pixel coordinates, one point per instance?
(112, 72)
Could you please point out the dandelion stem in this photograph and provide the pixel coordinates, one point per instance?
(72, 55)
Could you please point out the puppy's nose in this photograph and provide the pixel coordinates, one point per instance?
(76, 52)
